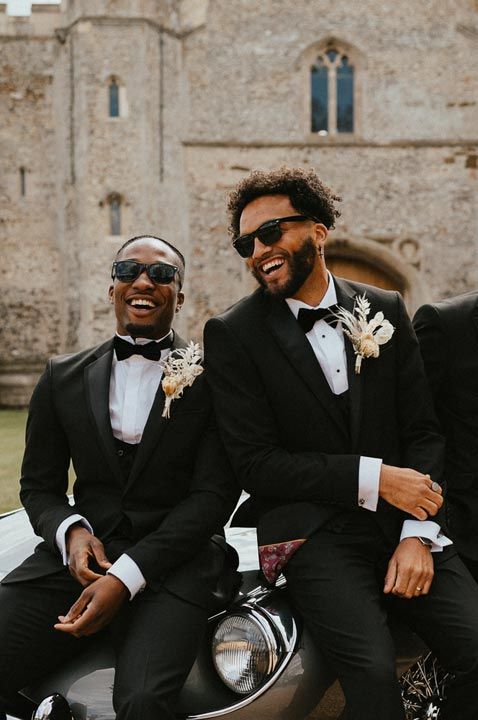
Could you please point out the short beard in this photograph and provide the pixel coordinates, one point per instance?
(301, 264)
(143, 331)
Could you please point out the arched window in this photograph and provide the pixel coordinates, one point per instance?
(332, 93)
(114, 98)
(114, 201)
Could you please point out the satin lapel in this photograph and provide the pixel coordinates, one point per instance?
(297, 349)
(346, 299)
(97, 389)
(154, 427)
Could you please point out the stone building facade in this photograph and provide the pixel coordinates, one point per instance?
(124, 117)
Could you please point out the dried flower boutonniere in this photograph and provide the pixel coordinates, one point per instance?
(365, 335)
(181, 368)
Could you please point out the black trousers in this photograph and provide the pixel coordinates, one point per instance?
(155, 637)
(336, 582)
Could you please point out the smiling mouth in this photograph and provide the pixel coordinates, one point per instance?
(141, 304)
(271, 266)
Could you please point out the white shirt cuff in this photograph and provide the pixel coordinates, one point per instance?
(126, 570)
(368, 482)
(60, 535)
(426, 529)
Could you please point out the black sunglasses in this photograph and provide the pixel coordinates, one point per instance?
(128, 270)
(268, 233)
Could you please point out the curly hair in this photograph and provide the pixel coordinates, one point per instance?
(307, 194)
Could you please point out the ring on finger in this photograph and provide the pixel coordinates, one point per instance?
(418, 589)
(436, 487)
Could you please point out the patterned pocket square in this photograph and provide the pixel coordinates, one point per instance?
(274, 557)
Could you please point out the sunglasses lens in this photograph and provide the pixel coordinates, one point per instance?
(161, 273)
(269, 235)
(126, 270)
(244, 245)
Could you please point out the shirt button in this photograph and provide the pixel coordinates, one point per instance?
(361, 501)
(338, 370)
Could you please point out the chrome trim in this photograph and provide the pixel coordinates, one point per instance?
(288, 640)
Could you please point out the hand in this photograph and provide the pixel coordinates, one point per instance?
(95, 608)
(81, 545)
(410, 570)
(410, 491)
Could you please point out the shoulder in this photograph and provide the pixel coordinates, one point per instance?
(76, 362)
(454, 310)
(243, 310)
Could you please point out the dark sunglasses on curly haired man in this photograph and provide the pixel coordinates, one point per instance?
(268, 233)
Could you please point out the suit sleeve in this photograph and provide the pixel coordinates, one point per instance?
(434, 346)
(190, 524)
(250, 433)
(44, 474)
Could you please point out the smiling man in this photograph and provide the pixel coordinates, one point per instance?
(150, 494)
(338, 446)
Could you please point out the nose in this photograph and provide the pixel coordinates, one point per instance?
(143, 281)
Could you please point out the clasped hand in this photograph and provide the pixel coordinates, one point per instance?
(95, 608)
(410, 570)
(82, 547)
(411, 491)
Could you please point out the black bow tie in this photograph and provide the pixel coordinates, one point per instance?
(150, 351)
(307, 318)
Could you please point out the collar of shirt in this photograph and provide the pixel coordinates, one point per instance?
(141, 341)
(330, 298)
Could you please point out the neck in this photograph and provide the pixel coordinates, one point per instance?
(315, 287)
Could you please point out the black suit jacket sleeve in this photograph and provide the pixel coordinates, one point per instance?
(44, 474)
(189, 525)
(422, 444)
(434, 345)
(250, 433)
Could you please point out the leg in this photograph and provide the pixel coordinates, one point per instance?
(333, 583)
(447, 619)
(156, 640)
(29, 646)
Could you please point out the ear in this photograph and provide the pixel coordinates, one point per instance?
(110, 294)
(320, 233)
(180, 301)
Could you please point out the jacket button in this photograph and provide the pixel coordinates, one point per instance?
(121, 453)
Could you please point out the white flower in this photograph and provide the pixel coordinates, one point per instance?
(365, 335)
(181, 368)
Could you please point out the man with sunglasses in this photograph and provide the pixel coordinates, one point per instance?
(338, 446)
(140, 553)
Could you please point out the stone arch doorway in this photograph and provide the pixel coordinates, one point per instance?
(372, 263)
(363, 271)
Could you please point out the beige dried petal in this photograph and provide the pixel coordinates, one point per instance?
(367, 347)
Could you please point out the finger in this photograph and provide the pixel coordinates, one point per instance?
(85, 576)
(100, 557)
(401, 581)
(419, 513)
(431, 508)
(77, 608)
(434, 497)
(390, 577)
(68, 629)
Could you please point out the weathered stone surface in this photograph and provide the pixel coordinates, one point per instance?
(209, 91)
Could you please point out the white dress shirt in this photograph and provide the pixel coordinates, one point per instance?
(328, 344)
(133, 386)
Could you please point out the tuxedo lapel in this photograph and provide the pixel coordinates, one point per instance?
(154, 427)
(346, 299)
(97, 389)
(293, 342)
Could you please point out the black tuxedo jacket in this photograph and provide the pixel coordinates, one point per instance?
(180, 492)
(285, 431)
(448, 336)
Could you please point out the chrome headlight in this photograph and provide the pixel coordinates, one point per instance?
(245, 651)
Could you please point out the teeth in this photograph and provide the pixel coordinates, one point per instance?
(272, 264)
(142, 303)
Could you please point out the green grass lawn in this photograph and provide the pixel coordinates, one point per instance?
(12, 438)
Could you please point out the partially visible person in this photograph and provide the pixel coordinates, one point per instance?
(137, 555)
(448, 336)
